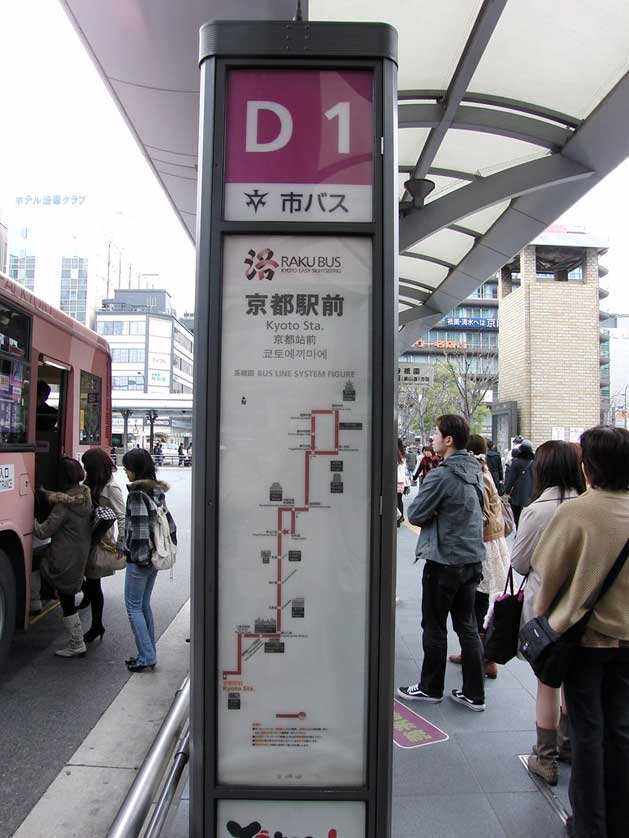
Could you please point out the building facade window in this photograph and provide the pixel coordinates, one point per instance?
(128, 382)
(90, 412)
(121, 327)
(127, 356)
(22, 270)
(183, 365)
(183, 341)
(179, 387)
(73, 297)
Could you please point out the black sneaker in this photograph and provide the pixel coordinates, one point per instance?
(476, 706)
(413, 693)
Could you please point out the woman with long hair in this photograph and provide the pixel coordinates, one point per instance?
(146, 494)
(104, 491)
(557, 477)
(403, 481)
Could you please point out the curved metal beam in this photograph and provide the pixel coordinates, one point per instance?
(456, 174)
(495, 101)
(484, 26)
(505, 124)
(465, 231)
(518, 180)
(412, 291)
(425, 258)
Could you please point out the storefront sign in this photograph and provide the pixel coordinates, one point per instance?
(471, 322)
(7, 477)
(296, 404)
(299, 145)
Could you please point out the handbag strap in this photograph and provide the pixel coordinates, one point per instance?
(509, 583)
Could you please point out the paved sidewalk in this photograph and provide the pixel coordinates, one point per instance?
(473, 785)
(87, 793)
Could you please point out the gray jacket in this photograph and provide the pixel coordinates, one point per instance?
(449, 509)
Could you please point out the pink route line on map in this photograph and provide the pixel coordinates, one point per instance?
(292, 510)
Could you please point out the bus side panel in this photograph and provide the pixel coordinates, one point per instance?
(17, 475)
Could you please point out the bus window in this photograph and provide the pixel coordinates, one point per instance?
(90, 406)
(14, 376)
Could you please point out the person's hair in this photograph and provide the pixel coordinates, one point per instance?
(140, 462)
(477, 444)
(450, 424)
(428, 448)
(490, 444)
(557, 463)
(69, 474)
(98, 467)
(401, 451)
(606, 457)
(43, 387)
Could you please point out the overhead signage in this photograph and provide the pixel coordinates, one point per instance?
(299, 145)
(47, 199)
(293, 574)
(471, 322)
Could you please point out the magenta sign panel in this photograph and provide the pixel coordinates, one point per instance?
(299, 145)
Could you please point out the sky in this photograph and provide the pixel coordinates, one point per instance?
(62, 133)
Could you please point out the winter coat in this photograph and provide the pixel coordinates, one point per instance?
(449, 509)
(403, 479)
(533, 521)
(493, 522)
(140, 519)
(494, 464)
(69, 527)
(111, 497)
(519, 480)
(424, 466)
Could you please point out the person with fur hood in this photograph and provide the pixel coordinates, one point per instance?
(69, 528)
(146, 493)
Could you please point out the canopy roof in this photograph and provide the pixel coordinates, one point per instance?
(512, 108)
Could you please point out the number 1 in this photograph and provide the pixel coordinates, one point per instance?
(341, 109)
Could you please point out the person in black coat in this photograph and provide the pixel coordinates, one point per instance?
(494, 464)
(519, 479)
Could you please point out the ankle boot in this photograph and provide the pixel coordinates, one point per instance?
(76, 648)
(563, 740)
(543, 762)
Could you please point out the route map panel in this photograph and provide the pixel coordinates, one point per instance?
(294, 511)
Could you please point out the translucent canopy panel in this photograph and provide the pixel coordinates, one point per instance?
(426, 273)
(565, 55)
(410, 144)
(443, 185)
(482, 220)
(428, 49)
(446, 244)
(484, 154)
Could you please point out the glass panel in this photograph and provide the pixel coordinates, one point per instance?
(14, 332)
(90, 406)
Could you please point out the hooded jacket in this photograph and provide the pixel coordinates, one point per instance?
(69, 526)
(140, 519)
(519, 479)
(449, 509)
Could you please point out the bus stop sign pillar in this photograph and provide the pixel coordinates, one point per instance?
(294, 473)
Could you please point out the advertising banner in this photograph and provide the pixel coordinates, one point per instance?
(261, 819)
(294, 518)
(299, 145)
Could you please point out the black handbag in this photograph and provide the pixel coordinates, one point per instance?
(501, 637)
(552, 654)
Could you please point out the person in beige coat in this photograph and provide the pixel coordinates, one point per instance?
(557, 477)
(574, 556)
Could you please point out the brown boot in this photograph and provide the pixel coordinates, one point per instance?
(491, 670)
(543, 762)
(563, 740)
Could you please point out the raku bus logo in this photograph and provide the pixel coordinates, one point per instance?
(254, 830)
(261, 264)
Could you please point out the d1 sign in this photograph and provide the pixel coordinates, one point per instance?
(299, 145)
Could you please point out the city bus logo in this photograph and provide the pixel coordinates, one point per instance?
(261, 264)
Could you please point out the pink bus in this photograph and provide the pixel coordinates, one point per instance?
(55, 400)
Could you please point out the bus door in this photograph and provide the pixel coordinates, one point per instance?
(52, 392)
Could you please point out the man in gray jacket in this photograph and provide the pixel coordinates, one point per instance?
(449, 510)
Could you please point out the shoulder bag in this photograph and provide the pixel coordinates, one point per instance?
(501, 637)
(552, 654)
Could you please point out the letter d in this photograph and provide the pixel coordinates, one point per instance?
(286, 126)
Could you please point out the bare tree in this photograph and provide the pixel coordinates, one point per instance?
(420, 404)
(473, 374)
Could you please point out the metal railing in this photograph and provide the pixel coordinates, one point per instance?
(133, 813)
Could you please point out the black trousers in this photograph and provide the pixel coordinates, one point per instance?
(93, 591)
(68, 607)
(451, 590)
(400, 504)
(597, 694)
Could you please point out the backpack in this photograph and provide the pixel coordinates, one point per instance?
(163, 549)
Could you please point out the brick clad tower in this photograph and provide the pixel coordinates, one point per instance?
(549, 340)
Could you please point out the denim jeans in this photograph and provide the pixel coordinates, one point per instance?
(138, 587)
(597, 695)
(450, 589)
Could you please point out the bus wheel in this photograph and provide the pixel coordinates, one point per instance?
(8, 596)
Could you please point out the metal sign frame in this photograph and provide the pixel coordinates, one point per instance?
(228, 45)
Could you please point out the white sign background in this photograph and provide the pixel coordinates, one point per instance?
(7, 477)
(314, 818)
(310, 698)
